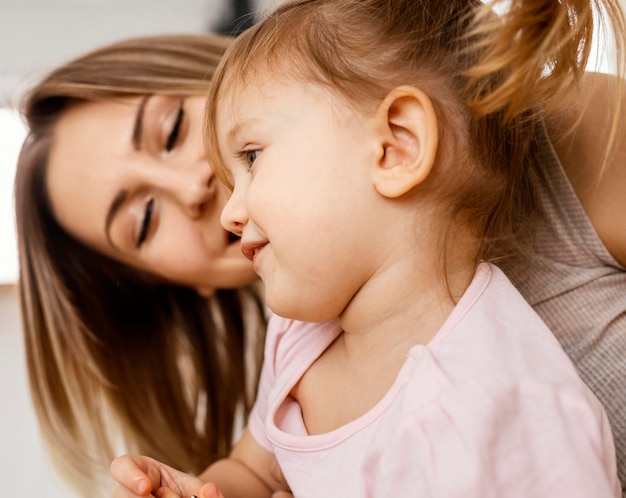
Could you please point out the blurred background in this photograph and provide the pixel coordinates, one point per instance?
(36, 36)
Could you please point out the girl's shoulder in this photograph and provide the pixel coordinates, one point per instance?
(292, 342)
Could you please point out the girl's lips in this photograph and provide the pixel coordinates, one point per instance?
(251, 249)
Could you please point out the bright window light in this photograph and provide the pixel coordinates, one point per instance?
(12, 134)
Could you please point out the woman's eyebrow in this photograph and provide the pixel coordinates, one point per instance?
(138, 127)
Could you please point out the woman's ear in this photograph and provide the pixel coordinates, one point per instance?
(408, 137)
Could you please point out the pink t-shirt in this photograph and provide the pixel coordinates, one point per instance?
(491, 407)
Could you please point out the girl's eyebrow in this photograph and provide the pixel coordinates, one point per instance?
(138, 126)
(240, 127)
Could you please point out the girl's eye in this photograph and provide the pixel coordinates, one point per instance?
(145, 222)
(172, 138)
(251, 156)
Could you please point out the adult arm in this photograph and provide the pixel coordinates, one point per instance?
(600, 184)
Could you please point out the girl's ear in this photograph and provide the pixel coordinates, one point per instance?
(408, 137)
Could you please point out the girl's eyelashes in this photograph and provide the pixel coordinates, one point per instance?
(145, 223)
(172, 138)
(249, 156)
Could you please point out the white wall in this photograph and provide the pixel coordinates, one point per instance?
(37, 35)
(24, 471)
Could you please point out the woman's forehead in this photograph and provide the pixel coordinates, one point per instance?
(91, 144)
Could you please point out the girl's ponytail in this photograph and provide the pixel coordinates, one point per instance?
(540, 48)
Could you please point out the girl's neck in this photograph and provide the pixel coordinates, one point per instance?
(402, 306)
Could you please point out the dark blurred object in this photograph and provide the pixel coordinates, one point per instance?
(242, 17)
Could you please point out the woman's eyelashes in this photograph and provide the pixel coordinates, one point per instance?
(172, 138)
(145, 223)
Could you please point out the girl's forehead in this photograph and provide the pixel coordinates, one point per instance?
(244, 94)
(282, 65)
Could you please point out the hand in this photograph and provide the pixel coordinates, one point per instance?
(138, 475)
(210, 490)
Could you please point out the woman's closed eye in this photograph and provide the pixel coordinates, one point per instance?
(172, 138)
(146, 221)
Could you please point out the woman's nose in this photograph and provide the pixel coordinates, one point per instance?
(193, 189)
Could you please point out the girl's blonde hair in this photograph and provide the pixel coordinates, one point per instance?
(492, 78)
(116, 360)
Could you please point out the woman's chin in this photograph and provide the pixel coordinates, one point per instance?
(238, 272)
(231, 270)
(247, 277)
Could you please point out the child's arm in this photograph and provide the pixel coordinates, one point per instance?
(246, 473)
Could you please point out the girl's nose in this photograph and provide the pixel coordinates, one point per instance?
(234, 215)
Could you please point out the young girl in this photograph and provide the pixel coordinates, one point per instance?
(380, 157)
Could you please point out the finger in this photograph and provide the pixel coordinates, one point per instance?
(165, 492)
(210, 490)
(120, 491)
(131, 474)
(282, 494)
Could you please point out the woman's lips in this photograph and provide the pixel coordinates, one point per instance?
(251, 249)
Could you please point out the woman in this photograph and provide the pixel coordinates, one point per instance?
(142, 330)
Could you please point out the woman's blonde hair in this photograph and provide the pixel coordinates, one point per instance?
(492, 78)
(116, 360)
